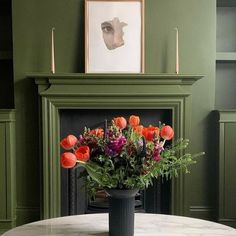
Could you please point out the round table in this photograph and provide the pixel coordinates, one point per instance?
(145, 224)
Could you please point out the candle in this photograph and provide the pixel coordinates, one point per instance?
(177, 52)
(52, 52)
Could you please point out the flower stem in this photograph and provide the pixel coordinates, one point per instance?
(163, 143)
(82, 162)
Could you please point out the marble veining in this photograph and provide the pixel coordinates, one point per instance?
(145, 224)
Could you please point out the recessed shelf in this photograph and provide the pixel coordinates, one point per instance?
(225, 85)
(226, 56)
(225, 96)
(226, 31)
(226, 3)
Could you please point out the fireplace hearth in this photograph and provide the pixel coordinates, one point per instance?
(117, 92)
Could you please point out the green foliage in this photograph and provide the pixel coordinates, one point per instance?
(128, 156)
(139, 173)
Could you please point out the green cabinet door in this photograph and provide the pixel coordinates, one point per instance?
(7, 170)
(227, 167)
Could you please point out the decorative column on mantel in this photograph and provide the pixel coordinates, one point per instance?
(107, 91)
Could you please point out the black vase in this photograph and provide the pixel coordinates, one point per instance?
(121, 211)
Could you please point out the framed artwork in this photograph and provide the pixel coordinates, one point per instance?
(114, 36)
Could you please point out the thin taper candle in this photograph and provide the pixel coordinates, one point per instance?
(177, 52)
(53, 53)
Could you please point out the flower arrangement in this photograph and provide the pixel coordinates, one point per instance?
(126, 155)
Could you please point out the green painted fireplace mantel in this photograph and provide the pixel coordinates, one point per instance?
(107, 91)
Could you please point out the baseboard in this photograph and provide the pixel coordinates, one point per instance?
(25, 214)
(229, 222)
(6, 224)
(203, 212)
(2, 231)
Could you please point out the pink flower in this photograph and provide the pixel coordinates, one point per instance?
(115, 145)
(157, 151)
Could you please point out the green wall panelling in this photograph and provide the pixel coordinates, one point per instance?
(3, 210)
(7, 170)
(196, 20)
(227, 165)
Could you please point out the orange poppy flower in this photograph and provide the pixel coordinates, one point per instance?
(69, 142)
(138, 129)
(83, 153)
(150, 132)
(134, 120)
(120, 122)
(68, 160)
(167, 132)
(99, 132)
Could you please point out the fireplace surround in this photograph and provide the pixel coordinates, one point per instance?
(106, 91)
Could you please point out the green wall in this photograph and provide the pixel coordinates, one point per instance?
(32, 22)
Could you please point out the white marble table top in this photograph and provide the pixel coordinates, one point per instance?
(145, 224)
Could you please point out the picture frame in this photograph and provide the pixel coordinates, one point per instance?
(114, 36)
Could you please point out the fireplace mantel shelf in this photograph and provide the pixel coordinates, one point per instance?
(80, 78)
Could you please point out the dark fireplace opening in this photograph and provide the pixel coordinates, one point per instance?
(74, 199)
